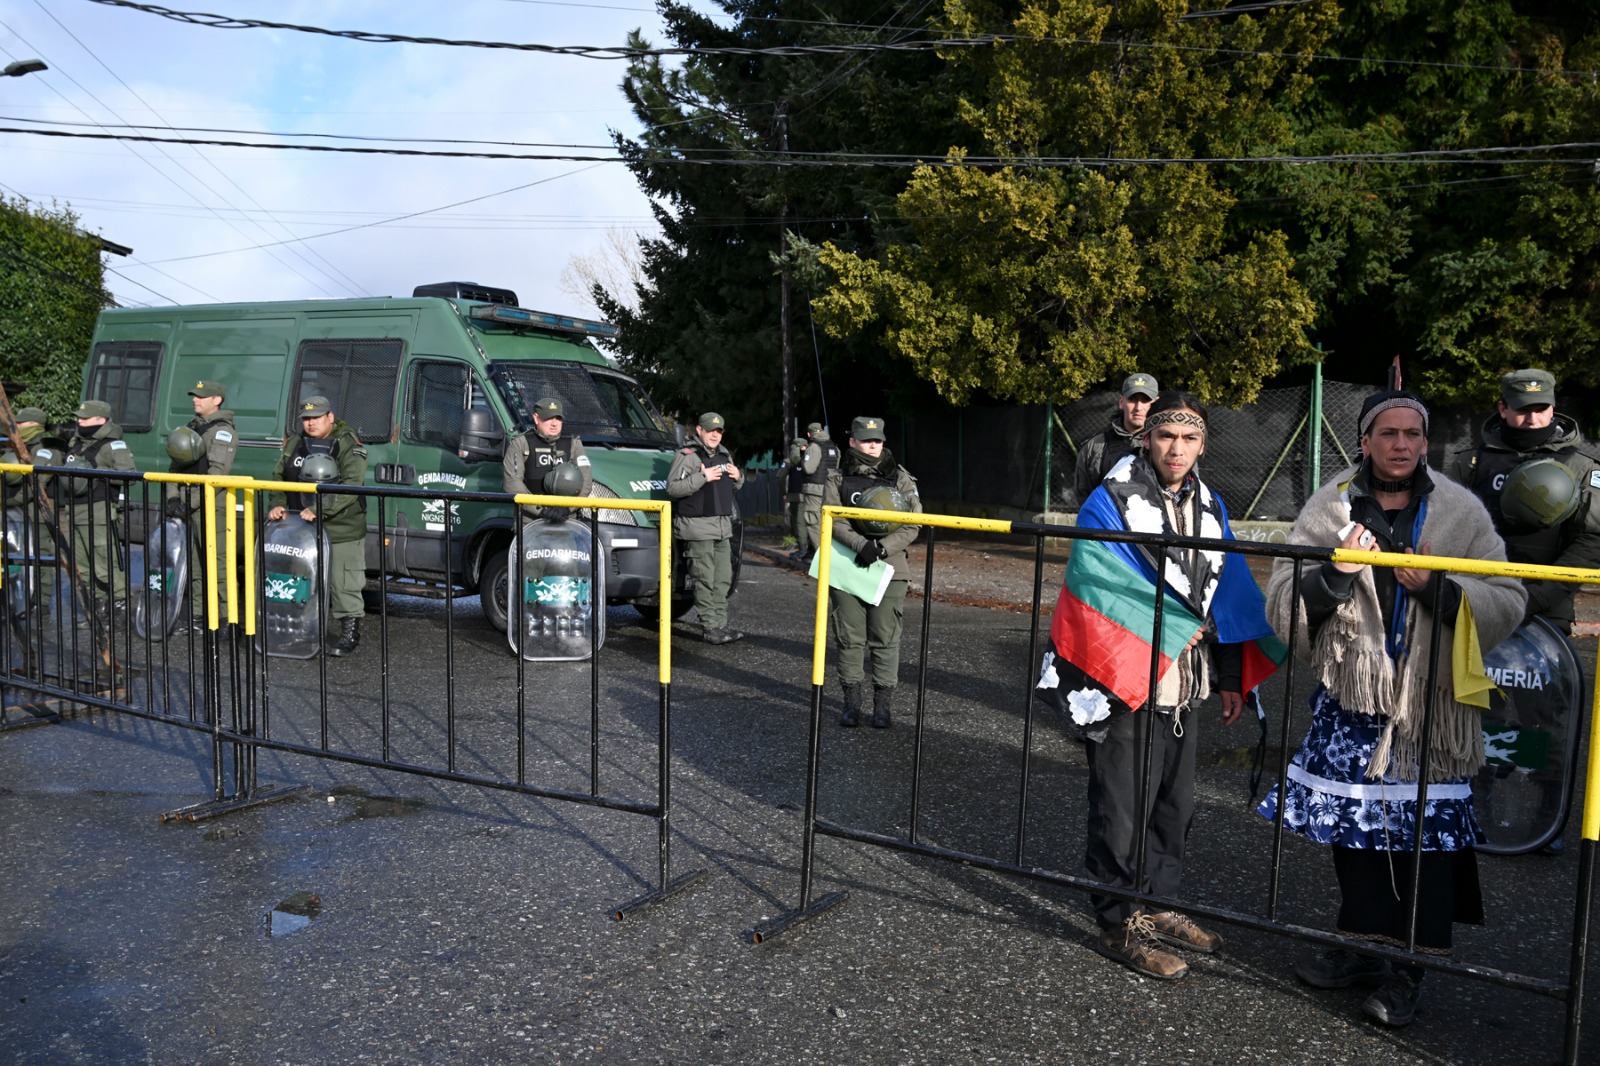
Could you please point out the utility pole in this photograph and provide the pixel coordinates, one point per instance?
(786, 343)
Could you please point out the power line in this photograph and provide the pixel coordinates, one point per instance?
(370, 225)
(329, 271)
(931, 44)
(1499, 155)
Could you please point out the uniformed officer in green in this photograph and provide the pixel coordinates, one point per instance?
(531, 455)
(828, 456)
(1544, 519)
(869, 635)
(1526, 427)
(344, 518)
(219, 441)
(94, 512)
(701, 482)
(32, 427)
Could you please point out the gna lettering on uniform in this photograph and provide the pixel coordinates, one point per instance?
(1530, 679)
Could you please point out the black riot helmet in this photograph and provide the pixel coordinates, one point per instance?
(879, 498)
(1538, 494)
(563, 479)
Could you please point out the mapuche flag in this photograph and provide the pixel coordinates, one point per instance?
(1104, 621)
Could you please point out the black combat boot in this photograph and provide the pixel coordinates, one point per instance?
(851, 716)
(881, 698)
(349, 636)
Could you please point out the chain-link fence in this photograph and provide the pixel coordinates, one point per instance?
(1259, 457)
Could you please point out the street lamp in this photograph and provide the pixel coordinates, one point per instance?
(25, 66)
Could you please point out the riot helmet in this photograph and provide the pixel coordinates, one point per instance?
(185, 445)
(319, 468)
(1538, 494)
(879, 498)
(563, 479)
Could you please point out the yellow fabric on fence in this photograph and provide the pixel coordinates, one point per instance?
(1472, 684)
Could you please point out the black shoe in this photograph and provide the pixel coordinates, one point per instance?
(882, 698)
(1396, 1002)
(850, 717)
(349, 636)
(731, 634)
(713, 636)
(1338, 968)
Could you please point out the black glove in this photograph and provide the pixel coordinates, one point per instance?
(869, 553)
(177, 507)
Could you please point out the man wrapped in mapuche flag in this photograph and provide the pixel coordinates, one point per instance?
(1214, 636)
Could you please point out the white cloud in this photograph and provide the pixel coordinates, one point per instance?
(151, 198)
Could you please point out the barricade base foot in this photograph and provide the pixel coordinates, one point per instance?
(27, 715)
(199, 812)
(786, 921)
(660, 895)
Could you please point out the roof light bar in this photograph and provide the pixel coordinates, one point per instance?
(518, 316)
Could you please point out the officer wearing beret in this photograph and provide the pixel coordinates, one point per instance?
(701, 483)
(1105, 449)
(1526, 427)
(219, 442)
(95, 505)
(869, 635)
(344, 518)
(532, 455)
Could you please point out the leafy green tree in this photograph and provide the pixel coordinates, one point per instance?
(50, 292)
(1465, 270)
(705, 330)
(1035, 282)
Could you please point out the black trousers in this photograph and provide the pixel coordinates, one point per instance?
(1116, 765)
(1374, 886)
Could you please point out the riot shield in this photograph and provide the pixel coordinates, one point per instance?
(1530, 738)
(22, 576)
(550, 563)
(294, 601)
(160, 603)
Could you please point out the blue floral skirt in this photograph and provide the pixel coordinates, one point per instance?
(1331, 800)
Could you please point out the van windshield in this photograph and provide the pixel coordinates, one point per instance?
(600, 406)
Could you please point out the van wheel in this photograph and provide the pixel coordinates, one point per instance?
(494, 589)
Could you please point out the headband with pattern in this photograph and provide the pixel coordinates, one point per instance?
(1175, 416)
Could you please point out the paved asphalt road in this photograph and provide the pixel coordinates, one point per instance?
(459, 924)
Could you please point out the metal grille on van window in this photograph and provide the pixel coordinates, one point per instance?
(358, 377)
(612, 514)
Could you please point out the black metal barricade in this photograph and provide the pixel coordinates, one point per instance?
(1569, 991)
(216, 678)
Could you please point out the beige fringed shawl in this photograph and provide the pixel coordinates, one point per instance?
(1349, 657)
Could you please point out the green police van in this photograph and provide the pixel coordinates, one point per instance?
(434, 385)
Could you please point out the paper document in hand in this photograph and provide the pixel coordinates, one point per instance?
(863, 582)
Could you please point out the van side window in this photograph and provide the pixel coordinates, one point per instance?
(359, 377)
(435, 400)
(124, 374)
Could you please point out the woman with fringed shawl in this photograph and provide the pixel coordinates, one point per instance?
(1367, 634)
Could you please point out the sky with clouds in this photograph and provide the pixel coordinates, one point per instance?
(197, 216)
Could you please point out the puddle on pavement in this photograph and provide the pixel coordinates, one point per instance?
(364, 806)
(293, 914)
